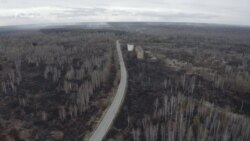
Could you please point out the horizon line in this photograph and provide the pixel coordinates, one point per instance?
(107, 22)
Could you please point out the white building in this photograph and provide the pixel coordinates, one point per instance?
(131, 47)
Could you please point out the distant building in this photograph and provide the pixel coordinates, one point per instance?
(139, 52)
(130, 47)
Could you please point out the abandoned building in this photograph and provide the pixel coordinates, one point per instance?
(139, 52)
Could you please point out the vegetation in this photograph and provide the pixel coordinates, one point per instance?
(52, 79)
(193, 84)
(189, 83)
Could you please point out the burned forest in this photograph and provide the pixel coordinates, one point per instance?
(191, 83)
(55, 82)
(183, 82)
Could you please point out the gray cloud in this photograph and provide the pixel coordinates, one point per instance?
(27, 15)
(212, 11)
(4, 1)
(82, 12)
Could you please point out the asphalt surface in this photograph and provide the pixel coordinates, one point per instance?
(114, 108)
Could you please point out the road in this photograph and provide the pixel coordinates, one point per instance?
(114, 108)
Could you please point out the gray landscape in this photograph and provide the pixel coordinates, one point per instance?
(124, 71)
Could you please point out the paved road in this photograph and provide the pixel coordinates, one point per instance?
(114, 108)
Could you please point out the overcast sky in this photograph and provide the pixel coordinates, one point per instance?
(16, 12)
